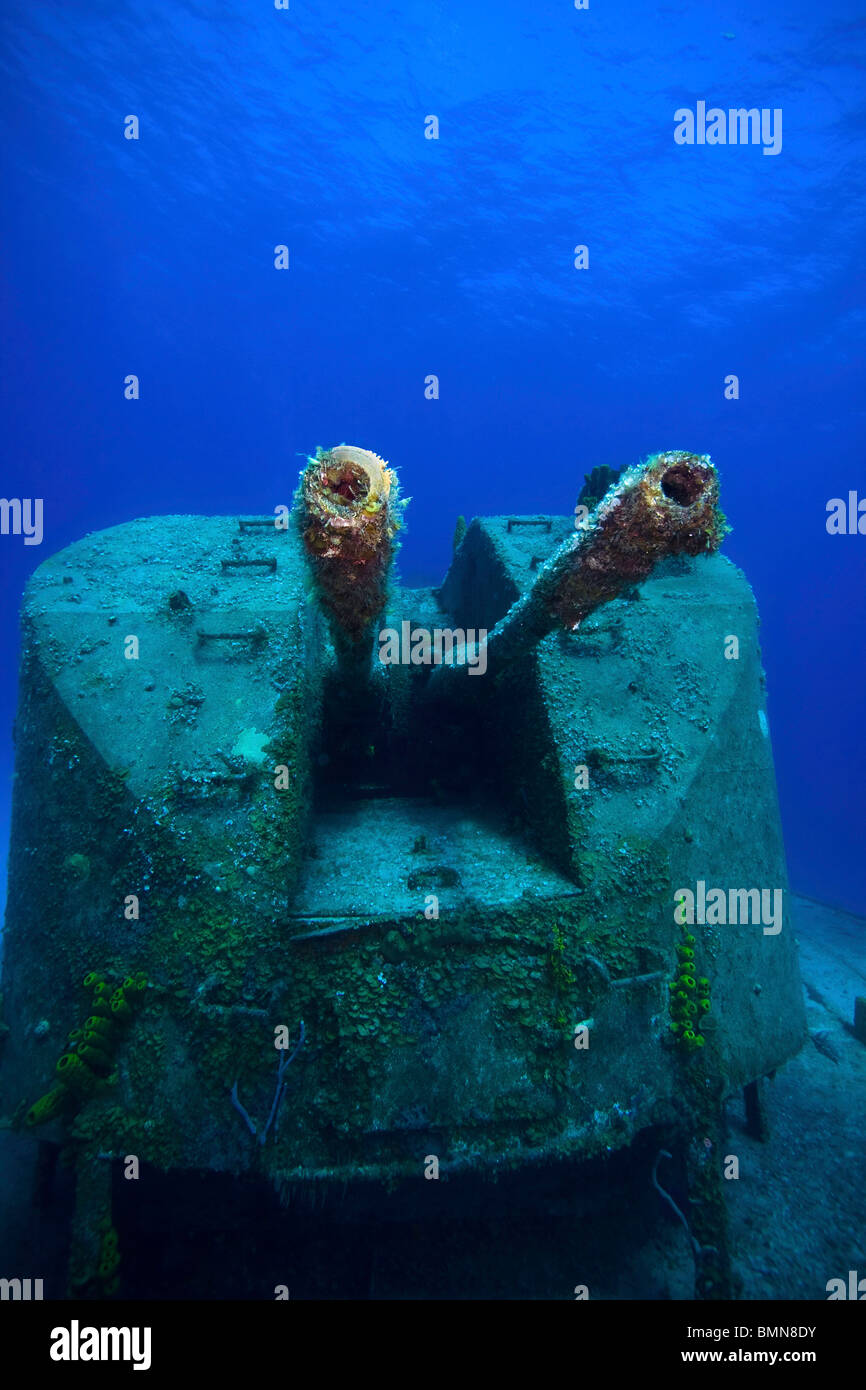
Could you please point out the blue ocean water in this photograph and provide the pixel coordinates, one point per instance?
(453, 257)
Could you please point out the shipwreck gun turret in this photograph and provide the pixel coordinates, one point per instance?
(447, 906)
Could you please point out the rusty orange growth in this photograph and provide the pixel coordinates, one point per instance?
(350, 513)
(668, 506)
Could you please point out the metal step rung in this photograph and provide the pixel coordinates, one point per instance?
(257, 636)
(529, 521)
(254, 523)
(268, 562)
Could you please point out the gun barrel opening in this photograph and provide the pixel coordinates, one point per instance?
(684, 484)
(348, 481)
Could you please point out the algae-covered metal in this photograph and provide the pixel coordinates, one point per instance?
(473, 914)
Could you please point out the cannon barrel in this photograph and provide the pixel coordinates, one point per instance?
(665, 506)
(349, 511)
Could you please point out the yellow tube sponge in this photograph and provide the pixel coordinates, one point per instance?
(47, 1107)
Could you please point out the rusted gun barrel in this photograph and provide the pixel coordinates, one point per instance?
(666, 506)
(349, 511)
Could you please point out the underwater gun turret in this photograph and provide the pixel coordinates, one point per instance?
(666, 506)
(475, 909)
